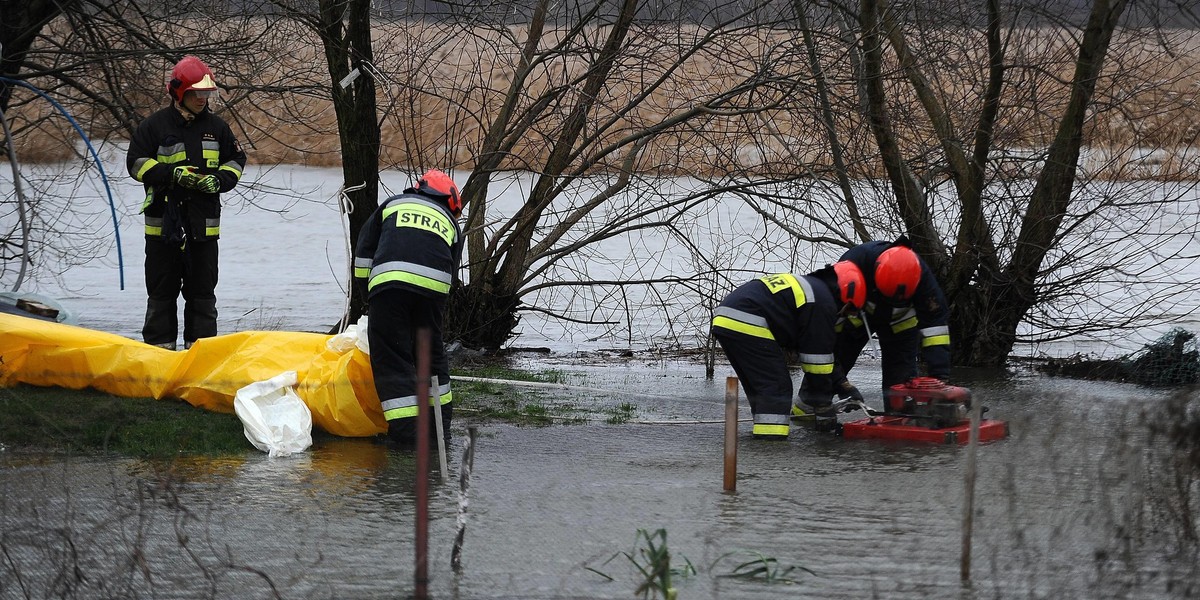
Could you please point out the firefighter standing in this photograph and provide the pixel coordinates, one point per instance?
(406, 259)
(905, 308)
(760, 321)
(185, 157)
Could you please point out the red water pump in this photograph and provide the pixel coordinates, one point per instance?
(928, 402)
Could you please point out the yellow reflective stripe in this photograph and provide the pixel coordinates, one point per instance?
(232, 167)
(413, 278)
(935, 340)
(410, 410)
(740, 327)
(362, 272)
(786, 281)
(171, 159)
(417, 216)
(817, 364)
(904, 325)
(211, 155)
(767, 429)
(400, 413)
(212, 231)
(817, 369)
(152, 230)
(143, 165)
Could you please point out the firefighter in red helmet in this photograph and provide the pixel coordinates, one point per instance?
(762, 320)
(905, 309)
(406, 260)
(185, 157)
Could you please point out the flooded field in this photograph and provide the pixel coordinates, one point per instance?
(1079, 501)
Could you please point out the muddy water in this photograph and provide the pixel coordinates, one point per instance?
(1060, 508)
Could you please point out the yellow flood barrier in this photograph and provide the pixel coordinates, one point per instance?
(337, 387)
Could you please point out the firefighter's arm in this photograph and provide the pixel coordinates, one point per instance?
(456, 254)
(364, 251)
(142, 163)
(817, 351)
(933, 314)
(233, 162)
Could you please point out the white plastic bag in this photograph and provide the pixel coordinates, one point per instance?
(274, 417)
(355, 336)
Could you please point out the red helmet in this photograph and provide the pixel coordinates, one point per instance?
(852, 286)
(897, 273)
(437, 183)
(189, 74)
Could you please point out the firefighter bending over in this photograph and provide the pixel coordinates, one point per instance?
(406, 259)
(905, 309)
(760, 321)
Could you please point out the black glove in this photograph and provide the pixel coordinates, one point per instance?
(847, 391)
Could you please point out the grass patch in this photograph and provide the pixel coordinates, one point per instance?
(513, 403)
(497, 371)
(89, 421)
(486, 401)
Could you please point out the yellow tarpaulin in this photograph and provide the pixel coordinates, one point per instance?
(337, 387)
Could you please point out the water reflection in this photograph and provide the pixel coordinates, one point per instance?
(1070, 505)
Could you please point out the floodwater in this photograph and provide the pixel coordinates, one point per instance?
(1075, 503)
(1080, 501)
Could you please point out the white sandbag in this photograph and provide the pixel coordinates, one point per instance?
(355, 336)
(274, 417)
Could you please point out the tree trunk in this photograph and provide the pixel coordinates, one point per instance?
(348, 47)
(985, 318)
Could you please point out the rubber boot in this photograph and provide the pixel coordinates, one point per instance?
(402, 433)
(162, 324)
(825, 419)
(199, 320)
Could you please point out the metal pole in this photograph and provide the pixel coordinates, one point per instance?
(435, 402)
(421, 537)
(464, 481)
(969, 496)
(731, 420)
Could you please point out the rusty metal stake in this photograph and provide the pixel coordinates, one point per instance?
(731, 421)
(421, 536)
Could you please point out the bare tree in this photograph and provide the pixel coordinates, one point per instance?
(1025, 250)
(1002, 139)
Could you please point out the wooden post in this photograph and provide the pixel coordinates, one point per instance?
(435, 402)
(969, 495)
(421, 537)
(731, 421)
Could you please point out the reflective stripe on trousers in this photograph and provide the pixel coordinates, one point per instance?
(406, 407)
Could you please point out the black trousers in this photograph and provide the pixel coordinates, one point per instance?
(761, 367)
(171, 270)
(394, 317)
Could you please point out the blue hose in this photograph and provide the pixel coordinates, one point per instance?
(112, 205)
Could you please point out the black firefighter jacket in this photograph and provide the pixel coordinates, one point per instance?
(166, 140)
